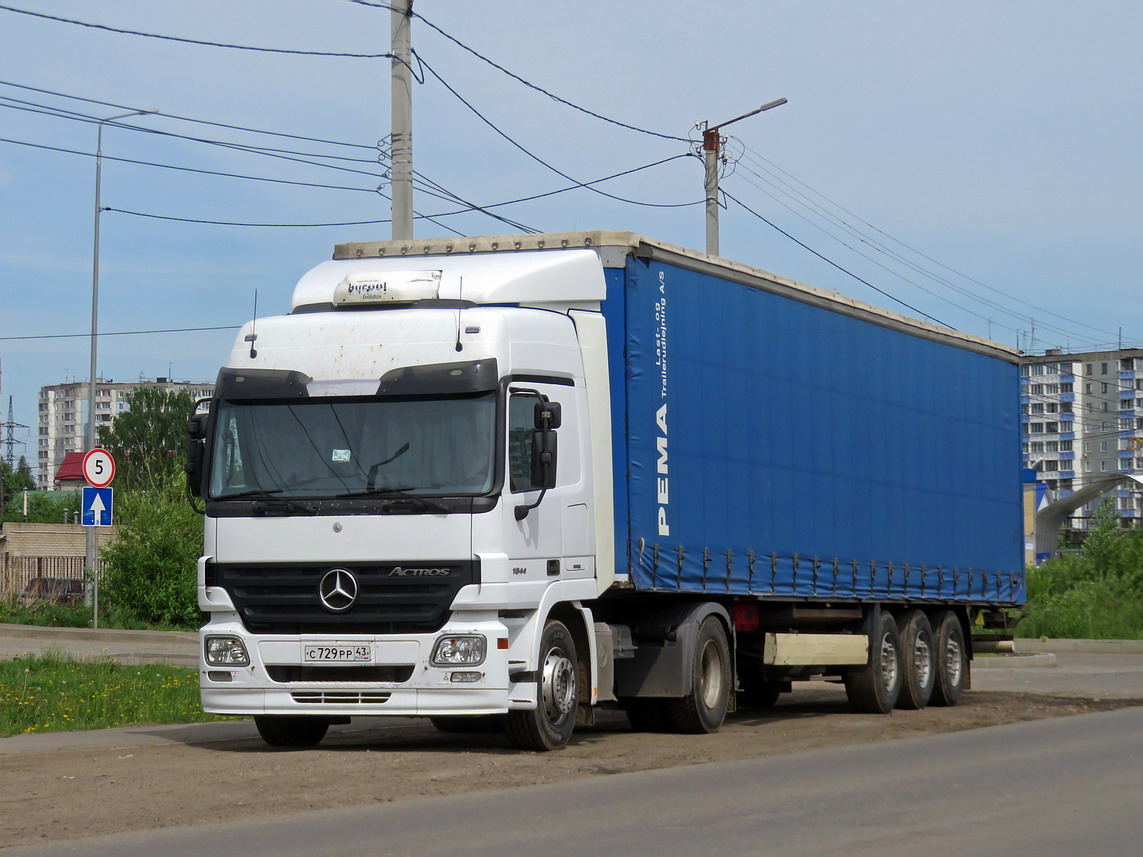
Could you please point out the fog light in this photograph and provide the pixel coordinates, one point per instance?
(460, 651)
(465, 678)
(226, 652)
(220, 675)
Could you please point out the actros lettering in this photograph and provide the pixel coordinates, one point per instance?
(420, 572)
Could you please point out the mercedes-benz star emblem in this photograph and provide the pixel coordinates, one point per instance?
(338, 590)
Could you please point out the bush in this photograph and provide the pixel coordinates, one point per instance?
(1094, 594)
(149, 571)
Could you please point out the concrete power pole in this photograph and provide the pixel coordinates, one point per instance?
(711, 145)
(401, 120)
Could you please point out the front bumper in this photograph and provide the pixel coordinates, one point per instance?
(263, 687)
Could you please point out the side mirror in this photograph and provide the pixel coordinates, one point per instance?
(547, 419)
(196, 427)
(544, 459)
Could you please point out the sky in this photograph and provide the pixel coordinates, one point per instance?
(974, 163)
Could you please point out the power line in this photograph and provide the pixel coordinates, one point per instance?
(112, 104)
(541, 161)
(751, 155)
(187, 169)
(118, 333)
(201, 42)
(281, 154)
(470, 210)
(828, 261)
(520, 79)
(896, 257)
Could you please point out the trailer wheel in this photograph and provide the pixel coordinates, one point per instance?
(951, 659)
(287, 731)
(918, 660)
(704, 708)
(874, 688)
(549, 726)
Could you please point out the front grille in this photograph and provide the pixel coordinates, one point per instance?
(283, 598)
(339, 697)
(281, 673)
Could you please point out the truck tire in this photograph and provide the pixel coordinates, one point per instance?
(549, 726)
(704, 708)
(286, 731)
(951, 673)
(874, 688)
(918, 659)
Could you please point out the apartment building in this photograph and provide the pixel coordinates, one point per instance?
(62, 419)
(1082, 418)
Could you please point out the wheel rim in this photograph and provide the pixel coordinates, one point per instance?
(558, 686)
(888, 662)
(710, 669)
(953, 660)
(923, 661)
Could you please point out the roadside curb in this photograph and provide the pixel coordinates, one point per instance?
(1085, 647)
(102, 635)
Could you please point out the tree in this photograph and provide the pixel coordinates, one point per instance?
(148, 441)
(13, 483)
(149, 571)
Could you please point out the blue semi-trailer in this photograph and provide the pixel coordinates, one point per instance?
(516, 478)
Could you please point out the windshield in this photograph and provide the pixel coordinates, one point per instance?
(337, 446)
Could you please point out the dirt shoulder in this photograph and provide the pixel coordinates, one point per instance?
(72, 792)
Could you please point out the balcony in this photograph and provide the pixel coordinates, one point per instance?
(1066, 474)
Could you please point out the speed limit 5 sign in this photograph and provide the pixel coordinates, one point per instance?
(98, 468)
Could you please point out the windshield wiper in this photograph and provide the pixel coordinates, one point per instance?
(253, 492)
(397, 493)
(269, 494)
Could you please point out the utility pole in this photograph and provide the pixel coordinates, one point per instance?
(711, 146)
(401, 119)
(90, 548)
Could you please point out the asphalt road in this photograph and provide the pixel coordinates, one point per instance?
(1052, 788)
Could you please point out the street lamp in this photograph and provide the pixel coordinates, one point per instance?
(89, 553)
(711, 142)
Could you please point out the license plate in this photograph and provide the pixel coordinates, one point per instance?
(337, 654)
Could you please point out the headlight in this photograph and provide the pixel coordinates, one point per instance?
(451, 651)
(226, 651)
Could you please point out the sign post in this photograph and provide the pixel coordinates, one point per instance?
(98, 503)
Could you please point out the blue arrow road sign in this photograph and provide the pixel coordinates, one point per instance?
(97, 504)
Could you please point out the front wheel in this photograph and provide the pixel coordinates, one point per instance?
(287, 731)
(549, 726)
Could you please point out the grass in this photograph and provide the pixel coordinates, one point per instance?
(53, 693)
(44, 613)
(47, 613)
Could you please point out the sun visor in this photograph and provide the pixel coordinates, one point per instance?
(476, 376)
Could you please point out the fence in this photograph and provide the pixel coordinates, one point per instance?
(16, 572)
